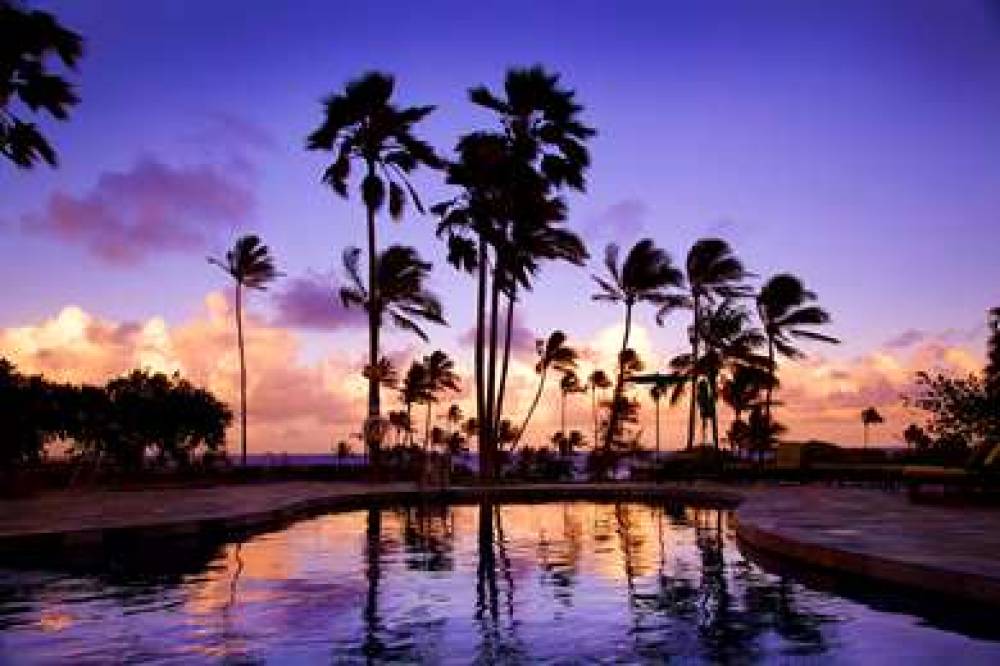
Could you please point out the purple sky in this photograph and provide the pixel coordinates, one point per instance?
(854, 143)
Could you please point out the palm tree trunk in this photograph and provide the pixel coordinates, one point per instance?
(593, 410)
(715, 410)
(657, 402)
(482, 436)
(427, 428)
(491, 382)
(531, 410)
(694, 374)
(562, 416)
(409, 423)
(774, 370)
(620, 383)
(374, 309)
(243, 374)
(505, 361)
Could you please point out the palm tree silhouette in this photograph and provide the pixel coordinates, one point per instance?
(785, 309)
(569, 383)
(870, 416)
(362, 125)
(730, 343)
(384, 372)
(509, 179)
(646, 276)
(712, 271)
(742, 390)
(552, 353)
(440, 376)
(401, 276)
(415, 388)
(29, 39)
(597, 380)
(250, 264)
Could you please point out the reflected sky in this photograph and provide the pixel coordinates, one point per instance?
(553, 583)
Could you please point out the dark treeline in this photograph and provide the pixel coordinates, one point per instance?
(139, 420)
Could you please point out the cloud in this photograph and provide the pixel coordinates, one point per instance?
(151, 207)
(313, 302)
(905, 339)
(293, 405)
(623, 219)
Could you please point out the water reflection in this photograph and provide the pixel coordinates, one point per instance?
(485, 583)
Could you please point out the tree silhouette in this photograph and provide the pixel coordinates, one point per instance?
(597, 380)
(362, 125)
(647, 275)
(992, 371)
(250, 264)
(713, 271)
(869, 417)
(656, 393)
(415, 388)
(440, 376)
(786, 311)
(28, 41)
(730, 343)
(509, 206)
(569, 383)
(553, 353)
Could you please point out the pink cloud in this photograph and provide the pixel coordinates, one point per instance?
(522, 338)
(314, 302)
(623, 219)
(151, 207)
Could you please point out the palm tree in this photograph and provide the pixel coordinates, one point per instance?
(29, 39)
(440, 376)
(569, 383)
(384, 372)
(730, 343)
(597, 380)
(870, 416)
(712, 271)
(510, 180)
(762, 432)
(552, 353)
(362, 125)
(250, 264)
(785, 309)
(401, 275)
(415, 388)
(743, 390)
(400, 423)
(646, 276)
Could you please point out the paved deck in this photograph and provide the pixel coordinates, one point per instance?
(948, 550)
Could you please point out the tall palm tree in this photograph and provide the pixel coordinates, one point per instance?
(441, 376)
(787, 311)
(597, 381)
(29, 39)
(647, 275)
(553, 353)
(510, 204)
(362, 125)
(569, 383)
(713, 271)
(870, 417)
(250, 264)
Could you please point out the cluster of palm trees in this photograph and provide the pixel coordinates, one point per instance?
(731, 354)
(507, 219)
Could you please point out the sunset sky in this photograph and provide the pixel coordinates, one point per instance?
(856, 144)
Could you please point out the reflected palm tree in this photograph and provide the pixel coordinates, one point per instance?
(788, 312)
(373, 645)
(363, 125)
(250, 264)
(647, 275)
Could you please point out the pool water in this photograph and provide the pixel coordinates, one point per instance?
(560, 583)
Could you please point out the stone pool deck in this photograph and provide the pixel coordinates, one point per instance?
(874, 534)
